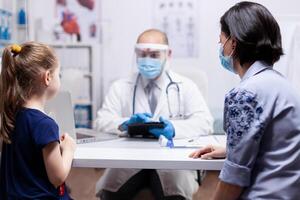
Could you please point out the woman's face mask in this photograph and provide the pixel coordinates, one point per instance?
(226, 61)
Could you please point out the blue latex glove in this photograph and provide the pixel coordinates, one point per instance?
(136, 118)
(168, 131)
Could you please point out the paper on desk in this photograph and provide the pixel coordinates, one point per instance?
(196, 142)
(221, 139)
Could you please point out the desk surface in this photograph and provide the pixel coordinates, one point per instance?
(139, 154)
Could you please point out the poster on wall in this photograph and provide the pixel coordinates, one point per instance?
(78, 20)
(177, 18)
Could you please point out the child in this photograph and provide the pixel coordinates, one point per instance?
(35, 162)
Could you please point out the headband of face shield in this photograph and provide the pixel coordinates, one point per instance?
(151, 59)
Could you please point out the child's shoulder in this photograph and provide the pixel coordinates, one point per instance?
(38, 125)
(35, 117)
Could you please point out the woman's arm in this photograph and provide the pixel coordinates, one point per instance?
(226, 191)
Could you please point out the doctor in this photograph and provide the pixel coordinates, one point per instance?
(154, 93)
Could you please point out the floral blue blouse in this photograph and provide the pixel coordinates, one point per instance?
(262, 122)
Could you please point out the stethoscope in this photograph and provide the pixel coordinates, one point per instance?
(179, 115)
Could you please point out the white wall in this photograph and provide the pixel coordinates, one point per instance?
(124, 20)
(41, 25)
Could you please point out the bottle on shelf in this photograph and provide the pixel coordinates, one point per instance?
(22, 17)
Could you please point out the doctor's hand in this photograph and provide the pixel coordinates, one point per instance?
(209, 152)
(136, 118)
(168, 131)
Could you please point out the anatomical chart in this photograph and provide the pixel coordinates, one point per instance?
(79, 19)
(178, 19)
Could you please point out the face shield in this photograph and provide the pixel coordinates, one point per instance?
(150, 59)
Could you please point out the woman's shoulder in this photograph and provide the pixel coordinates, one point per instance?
(268, 84)
(268, 89)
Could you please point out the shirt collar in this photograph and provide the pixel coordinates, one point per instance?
(255, 68)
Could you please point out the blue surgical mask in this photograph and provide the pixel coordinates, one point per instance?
(226, 61)
(150, 68)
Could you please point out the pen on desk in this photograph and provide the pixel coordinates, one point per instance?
(191, 140)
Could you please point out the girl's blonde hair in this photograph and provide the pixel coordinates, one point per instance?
(23, 69)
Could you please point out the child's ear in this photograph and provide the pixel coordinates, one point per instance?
(47, 78)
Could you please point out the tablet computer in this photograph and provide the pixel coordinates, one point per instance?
(141, 130)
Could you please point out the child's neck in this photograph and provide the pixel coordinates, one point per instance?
(36, 103)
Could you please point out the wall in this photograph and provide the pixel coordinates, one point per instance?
(41, 24)
(124, 20)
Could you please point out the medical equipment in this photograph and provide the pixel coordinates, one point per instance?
(136, 118)
(172, 115)
(165, 142)
(142, 130)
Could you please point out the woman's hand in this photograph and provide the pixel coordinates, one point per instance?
(209, 152)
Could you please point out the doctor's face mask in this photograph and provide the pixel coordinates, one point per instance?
(151, 59)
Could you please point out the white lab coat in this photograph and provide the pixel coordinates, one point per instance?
(117, 108)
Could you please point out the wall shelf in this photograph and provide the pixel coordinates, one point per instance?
(77, 77)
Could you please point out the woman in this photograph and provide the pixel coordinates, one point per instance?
(261, 114)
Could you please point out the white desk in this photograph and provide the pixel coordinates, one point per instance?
(139, 154)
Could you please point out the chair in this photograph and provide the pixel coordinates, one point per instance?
(197, 75)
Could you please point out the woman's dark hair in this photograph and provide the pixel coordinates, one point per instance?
(256, 32)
